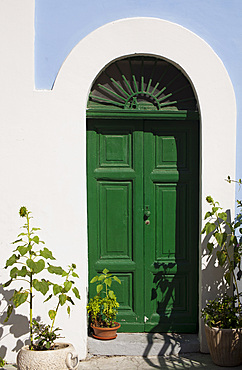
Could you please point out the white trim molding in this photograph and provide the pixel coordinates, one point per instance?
(214, 92)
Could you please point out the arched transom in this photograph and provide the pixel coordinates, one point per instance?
(142, 83)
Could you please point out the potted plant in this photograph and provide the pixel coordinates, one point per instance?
(103, 307)
(27, 262)
(223, 316)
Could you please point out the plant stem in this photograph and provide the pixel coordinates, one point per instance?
(31, 313)
(31, 292)
(53, 321)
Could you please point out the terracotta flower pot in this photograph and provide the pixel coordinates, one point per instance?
(105, 333)
(61, 358)
(225, 345)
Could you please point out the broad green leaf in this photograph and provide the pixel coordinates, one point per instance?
(19, 298)
(74, 274)
(23, 250)
(52, 314)
(67, 285)
(57, 289)
(210, 247)
(208, 214)
(209, 228)
(111, 294)
(219, 238)
(76, 292)
(101, 277)
(41, 286)
(68, 310)
(221, 257)
(94, 279)
(62, 299)
(227, 277)
(55, 270)
(116, 279)
(14, 273)
(46, 253)
(36, 267)
(9, 311)
(73, 265)
(36, 239)
(105, 271)
(99, 288)
(223, 216)
(11, 260)
(108, 281)
(233, 239)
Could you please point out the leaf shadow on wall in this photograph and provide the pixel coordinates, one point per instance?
(18, 324)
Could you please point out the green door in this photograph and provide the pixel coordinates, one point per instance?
(143, 218)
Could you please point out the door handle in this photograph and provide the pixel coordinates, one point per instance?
(147, 214)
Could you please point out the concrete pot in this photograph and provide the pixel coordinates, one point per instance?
(63, 357)
(225, 345)
(105, 333)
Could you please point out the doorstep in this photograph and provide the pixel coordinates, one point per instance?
(144, 344)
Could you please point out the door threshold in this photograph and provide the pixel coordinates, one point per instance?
(145, 344)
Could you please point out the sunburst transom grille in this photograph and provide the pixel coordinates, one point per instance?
(142, 83)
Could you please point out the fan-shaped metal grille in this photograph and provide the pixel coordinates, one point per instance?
(142, 83)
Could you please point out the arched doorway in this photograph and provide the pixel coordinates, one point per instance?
(143, 189)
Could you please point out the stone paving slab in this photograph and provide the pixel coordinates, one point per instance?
(144, 344)
(195, 361)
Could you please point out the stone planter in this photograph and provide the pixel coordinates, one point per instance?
(63, 357)
(105, 333)
(225, 345)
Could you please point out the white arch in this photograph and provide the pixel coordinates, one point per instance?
(208, 75)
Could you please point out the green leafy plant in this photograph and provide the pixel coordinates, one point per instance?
(103, 308)
(45, 336)
(29, 260)
(222, 313)
(224, 241)
(2, 362)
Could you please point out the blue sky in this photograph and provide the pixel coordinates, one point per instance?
(61, 24)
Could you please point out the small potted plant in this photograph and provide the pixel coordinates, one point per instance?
(223, 316)
(27, 262)
(103, 308)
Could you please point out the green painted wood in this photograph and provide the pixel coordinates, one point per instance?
(171, 239)
(141, 170)
(115, 216)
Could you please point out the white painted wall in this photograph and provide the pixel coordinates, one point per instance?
(43, 152)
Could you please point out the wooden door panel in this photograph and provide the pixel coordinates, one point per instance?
(115, 221)
(171, 190)
(115, 218)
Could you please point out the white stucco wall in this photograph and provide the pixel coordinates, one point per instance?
(43, 138)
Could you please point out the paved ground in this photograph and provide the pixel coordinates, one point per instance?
(194, 361)
(185, 361)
